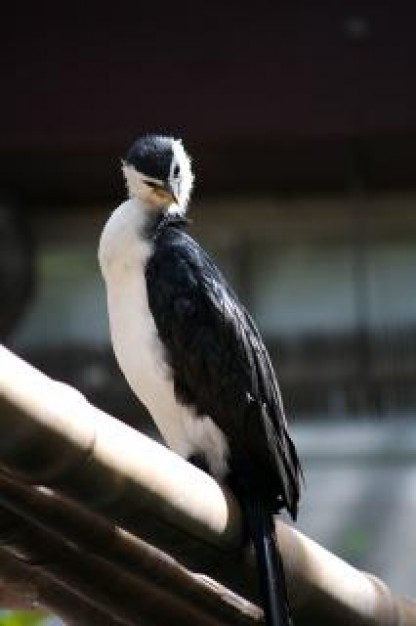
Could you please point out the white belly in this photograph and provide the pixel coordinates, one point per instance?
(139, 353)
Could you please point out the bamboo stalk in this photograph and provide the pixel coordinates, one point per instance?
(85, 452)
(90, 533)
(26, 588)
(18, 590)
(130, 599)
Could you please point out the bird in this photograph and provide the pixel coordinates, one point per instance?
(192, 354)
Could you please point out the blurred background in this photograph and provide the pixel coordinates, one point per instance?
(301, 120)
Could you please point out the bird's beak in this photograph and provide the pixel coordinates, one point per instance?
(172, 187)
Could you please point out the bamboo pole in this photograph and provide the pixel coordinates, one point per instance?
(24, 587)
(85, 452)
(131, 599)
(40, 512)
(50, 435)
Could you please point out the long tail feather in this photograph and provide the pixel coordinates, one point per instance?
(269, 564)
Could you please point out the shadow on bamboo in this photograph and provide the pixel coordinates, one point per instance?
(51, 435)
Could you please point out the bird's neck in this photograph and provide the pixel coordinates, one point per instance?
(157, 223)
(131, 231)
(123, 239)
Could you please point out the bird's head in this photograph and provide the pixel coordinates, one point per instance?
(158, 173)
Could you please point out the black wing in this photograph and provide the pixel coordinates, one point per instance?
(221, 366)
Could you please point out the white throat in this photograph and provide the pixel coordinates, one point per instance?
(123, 255)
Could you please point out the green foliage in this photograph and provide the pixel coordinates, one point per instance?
(355, 544)
(23, 618)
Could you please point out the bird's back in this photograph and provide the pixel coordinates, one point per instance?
(220, 365)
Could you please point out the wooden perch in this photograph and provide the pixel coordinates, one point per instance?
(111, 568)
(26, 587)
(50, 435)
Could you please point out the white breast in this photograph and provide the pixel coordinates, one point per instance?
(123, 254)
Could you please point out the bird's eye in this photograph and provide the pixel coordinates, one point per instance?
(176, 170)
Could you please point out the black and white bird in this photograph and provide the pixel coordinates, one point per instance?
(193, 355)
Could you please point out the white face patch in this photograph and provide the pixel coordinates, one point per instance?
(181, 176)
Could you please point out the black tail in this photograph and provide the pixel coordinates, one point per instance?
(269, 564)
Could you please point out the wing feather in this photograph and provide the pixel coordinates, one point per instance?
(220, 364)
